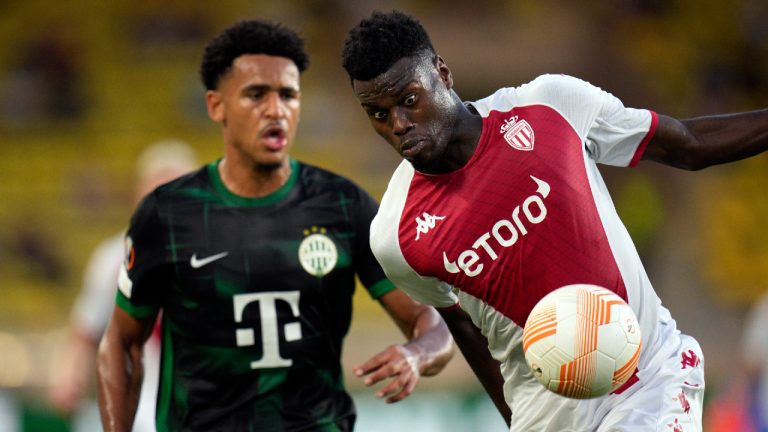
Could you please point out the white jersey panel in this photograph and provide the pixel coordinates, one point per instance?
(640, 293)
(385, 245)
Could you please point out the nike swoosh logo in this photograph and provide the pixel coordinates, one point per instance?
(197, 263)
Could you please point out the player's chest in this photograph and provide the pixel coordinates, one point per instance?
(248, 245)
(527, 177)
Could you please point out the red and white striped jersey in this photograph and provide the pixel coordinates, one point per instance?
(527, 214)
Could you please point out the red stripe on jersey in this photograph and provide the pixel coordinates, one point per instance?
(644, 143)
(511, 225)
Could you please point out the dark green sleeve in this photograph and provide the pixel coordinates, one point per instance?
(367, 268)
(144, 276)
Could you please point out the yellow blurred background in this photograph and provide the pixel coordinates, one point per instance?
(84, 86)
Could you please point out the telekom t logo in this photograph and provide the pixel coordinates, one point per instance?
(269, 325)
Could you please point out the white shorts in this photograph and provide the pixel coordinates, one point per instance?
(667, 397)
(669, 400)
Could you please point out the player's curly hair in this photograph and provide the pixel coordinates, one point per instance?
(250, 37)
(378, 42)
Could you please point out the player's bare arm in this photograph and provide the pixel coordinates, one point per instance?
(428, 350)
(700, 142)
(120, 371)
(474, 347)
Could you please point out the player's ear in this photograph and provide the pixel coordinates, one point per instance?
(445, 73)
(215, 106)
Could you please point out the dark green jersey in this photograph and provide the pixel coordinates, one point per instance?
(256, 295)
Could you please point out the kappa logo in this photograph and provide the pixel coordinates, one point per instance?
(199, 262)
(518, 134)
(689, 359)
(685, 404)
(424, 225)
(676, 426)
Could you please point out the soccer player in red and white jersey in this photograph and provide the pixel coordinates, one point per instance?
(499, 201)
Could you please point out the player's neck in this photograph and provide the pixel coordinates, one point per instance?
(467, 129)
(253, 181)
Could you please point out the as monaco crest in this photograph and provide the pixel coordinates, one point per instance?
(518, 134)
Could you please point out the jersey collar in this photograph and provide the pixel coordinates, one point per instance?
(234, 199)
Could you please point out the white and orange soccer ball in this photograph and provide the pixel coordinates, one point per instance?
(582, 341)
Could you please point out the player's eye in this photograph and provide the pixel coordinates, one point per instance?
(378, 115)
(256, 94)
(410, 100)
(289, 94)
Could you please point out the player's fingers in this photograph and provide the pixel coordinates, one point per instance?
(405, 391)
(374, 363)
(390, 369)
(367, 367)
(400, 380)
(392, 388)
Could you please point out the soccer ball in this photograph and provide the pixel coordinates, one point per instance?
(582, 341)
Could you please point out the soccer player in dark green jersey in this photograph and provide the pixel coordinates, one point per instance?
(252, 261)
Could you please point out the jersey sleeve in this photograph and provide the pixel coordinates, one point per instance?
(367, 268)
(386, 246)
(143, 274)
(613, 134)
(619, 135)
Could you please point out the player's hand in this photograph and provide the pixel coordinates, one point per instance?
(398, 362)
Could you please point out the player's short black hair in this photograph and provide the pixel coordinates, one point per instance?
(250, 37)
(378, 42)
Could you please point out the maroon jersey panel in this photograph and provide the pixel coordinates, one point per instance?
(481, 228)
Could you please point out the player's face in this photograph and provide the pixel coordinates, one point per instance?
(257, 103)
(412, 107)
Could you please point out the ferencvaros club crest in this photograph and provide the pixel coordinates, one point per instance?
(317, 252)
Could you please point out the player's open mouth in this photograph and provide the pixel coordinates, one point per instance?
(274, 138)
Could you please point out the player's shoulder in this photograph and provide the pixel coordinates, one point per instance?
(556, 80)
(554, 90)
(316, 179)
(548, 85)
(402, 176)
(181, 188)
(170, 193)
(194, 178)
(554, 86)
(399, 185)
